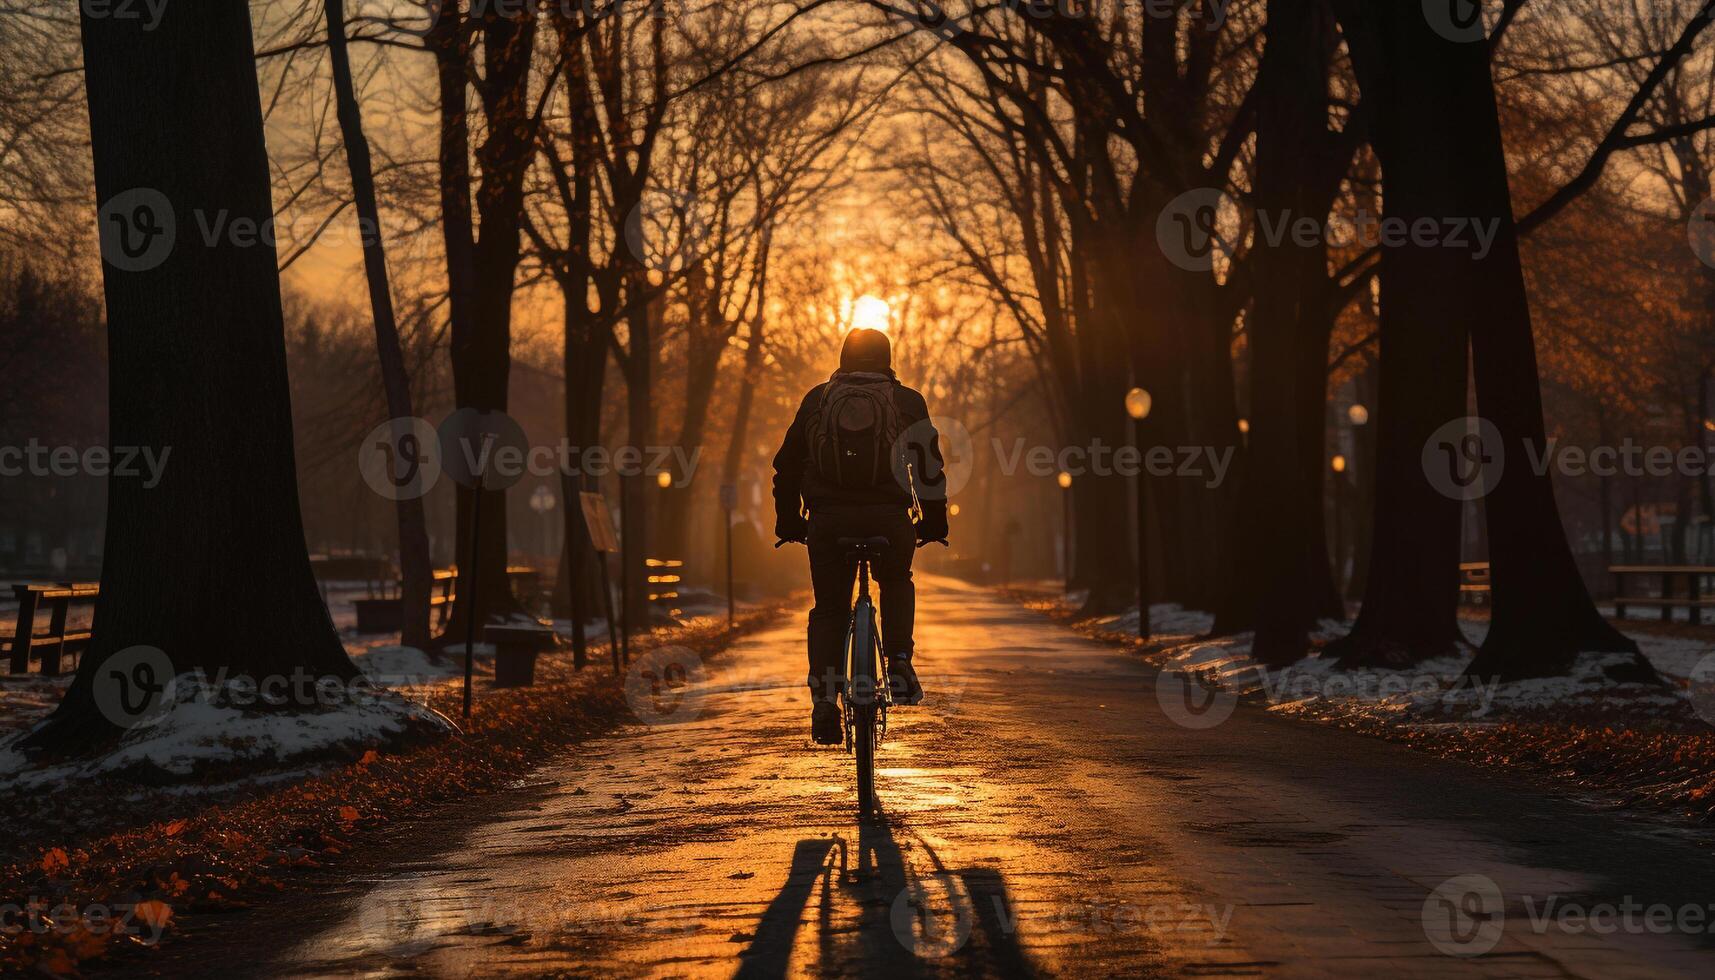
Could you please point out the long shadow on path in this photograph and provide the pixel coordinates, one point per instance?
(910, 922)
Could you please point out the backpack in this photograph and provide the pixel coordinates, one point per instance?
(854, 431)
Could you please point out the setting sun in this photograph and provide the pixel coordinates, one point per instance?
(871, 313)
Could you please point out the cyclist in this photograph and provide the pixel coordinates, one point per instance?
(859, 453)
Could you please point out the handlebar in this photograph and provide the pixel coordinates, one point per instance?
(783, 542)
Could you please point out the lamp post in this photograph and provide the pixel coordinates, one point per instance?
(729, 501)
(1137, 406)
(542, 501)
(1338, 465)
(1065, 481)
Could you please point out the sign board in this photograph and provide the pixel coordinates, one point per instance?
(729, 496)
(599, 520)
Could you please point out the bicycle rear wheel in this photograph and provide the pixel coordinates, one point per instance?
(863, 702)
(864, 734)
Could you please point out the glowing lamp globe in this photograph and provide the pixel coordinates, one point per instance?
(1138, 403)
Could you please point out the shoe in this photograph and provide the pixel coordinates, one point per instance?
(903, 677)
(825, 727)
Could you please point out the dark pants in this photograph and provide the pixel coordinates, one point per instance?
(834, 576)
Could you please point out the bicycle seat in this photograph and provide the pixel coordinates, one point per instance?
(875, 543)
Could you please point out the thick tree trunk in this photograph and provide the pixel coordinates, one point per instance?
(1543, 616)
(209, 566)
(1411, 599)
(1280, 581)
(414, 564)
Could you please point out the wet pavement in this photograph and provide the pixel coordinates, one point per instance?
(1054, 809)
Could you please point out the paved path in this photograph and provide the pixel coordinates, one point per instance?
(1045, 816)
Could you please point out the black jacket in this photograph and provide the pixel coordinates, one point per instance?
(797, 484)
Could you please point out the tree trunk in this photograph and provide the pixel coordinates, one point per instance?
(1543, 616)
(414, 565)
(209, 565)
(482, 342)
(578, 591)
(1280, 582)
(640, 432)
(1411, 599)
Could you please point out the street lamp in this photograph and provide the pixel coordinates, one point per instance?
(542, 501)
(1338, 465)
(1137, 405)
(1065, 481)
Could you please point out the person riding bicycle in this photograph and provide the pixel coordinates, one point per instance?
(859, 454)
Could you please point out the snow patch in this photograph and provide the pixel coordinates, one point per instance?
(1167, 621)
(196, 732)
(1437, 691)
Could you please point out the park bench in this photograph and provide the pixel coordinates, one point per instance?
(376, 574)
(515, 649)
(1690, 597)
(1474, 583)
(385, 614)
(58, 641)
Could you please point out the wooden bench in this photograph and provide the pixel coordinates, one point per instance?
(1690, 598)
(387, 614)
(1474, 583)
(58, 641)
(376, 574)
(515, 650)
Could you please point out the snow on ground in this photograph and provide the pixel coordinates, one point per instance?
(197, 729)
(1167, 621)
(1437, 691)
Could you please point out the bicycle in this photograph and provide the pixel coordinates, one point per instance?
(868, 689)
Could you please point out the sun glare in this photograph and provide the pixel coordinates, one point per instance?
(871, 313)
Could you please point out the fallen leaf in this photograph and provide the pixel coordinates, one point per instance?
(55, 860)
(154, 913)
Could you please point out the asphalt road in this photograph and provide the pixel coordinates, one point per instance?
(1048, 812)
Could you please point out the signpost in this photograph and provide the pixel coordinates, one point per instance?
(599, 520)
(729, 501)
